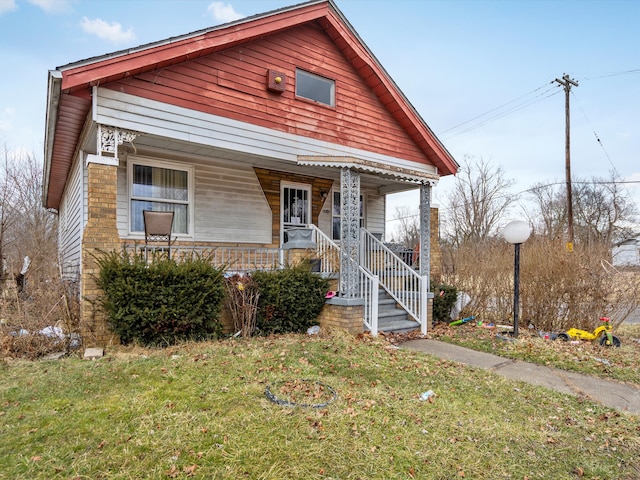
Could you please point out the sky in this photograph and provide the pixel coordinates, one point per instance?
(480, 72)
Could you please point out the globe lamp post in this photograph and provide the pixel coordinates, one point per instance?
(516, 232)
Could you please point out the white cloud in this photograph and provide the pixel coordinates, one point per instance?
(7, 6)
(52, 6)
(107, 31)
(223, 12)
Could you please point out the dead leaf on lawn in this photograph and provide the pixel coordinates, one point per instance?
(189, 470)
(173, 472)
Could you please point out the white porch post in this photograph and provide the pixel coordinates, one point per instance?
(349, 231)
(425, 252)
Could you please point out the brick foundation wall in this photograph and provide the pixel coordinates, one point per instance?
(345, 317)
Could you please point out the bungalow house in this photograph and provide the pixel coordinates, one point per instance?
(275, 135)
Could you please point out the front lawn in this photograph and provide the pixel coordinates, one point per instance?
(200, 411)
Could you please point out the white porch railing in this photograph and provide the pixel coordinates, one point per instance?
(233, 259)
(401, 281)
(329, 252)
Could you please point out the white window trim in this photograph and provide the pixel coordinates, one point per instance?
(298, 186)
(330, 81)
(152, 162)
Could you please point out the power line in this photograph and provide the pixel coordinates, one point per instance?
(549, 92)
(635, 71)
(497, 112)
(494, 109)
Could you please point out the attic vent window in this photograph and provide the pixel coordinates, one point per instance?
(316, 88)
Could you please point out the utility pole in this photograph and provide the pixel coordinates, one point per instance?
(566, 83)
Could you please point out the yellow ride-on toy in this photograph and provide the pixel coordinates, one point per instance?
(603, 332)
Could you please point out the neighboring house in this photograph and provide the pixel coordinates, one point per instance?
(244, 130)
(626, 253)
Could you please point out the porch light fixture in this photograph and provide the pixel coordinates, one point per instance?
(324, 194)
(516, 232)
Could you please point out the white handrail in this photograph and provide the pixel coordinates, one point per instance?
(368, 286)
(327, 251)
(401, 281)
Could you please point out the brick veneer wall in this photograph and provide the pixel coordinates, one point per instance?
(100, 236)
(435, 264)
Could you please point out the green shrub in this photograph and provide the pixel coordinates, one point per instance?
(163, 302)
(290, 299)
(444, 298)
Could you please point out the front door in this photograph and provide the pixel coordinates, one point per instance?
(295, 207)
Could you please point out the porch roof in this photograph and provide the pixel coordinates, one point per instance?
(389, 171)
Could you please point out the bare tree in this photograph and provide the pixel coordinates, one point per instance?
(548, 210)
(480, 199)
(8, 209)
(604, 211)
(407, 233)
(26, 228)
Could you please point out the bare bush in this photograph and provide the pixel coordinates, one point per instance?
(33, 297)
(558, 289)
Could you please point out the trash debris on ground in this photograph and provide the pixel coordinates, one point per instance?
(485, 325)
(314, 330)
(301, 393)
(52, 332)
(548, 335)
(602, 360)
(462, 300)
(427, 396)
(463, 320)
(505, 337)
(93, 353)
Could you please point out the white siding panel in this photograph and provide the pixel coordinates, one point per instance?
(228, 201)
(70, 225)
(152, 117)
(375, 212)
(230, 205)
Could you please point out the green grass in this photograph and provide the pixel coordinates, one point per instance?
(200, 411)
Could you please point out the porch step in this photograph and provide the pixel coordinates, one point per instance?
(391, 318)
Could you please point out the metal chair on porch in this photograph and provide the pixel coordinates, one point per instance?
(157, 232)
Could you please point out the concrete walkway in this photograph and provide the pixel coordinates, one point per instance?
(606, 392)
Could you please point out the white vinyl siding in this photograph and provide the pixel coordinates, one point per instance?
(375, 212)
(228, 203)
(70, 225)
